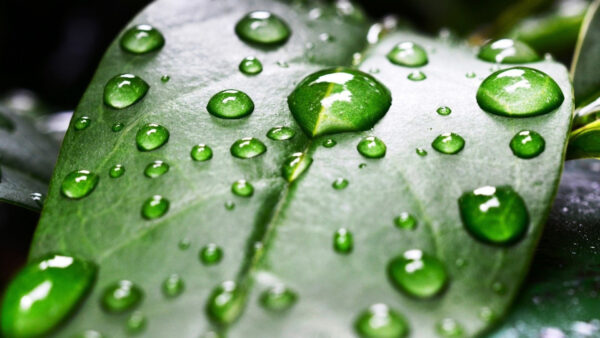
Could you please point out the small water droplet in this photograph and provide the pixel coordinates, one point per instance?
(201, 153)
(408, 54)
(371, 147)
(421, 152)
(295, 165)
(527, 144)
(329, 143)
(508, 51)
(82, 123)
(173, 285)
(242, 188)
(449, 327)
(495, 215)
(470, 75)
(117, 127)
(211, 254)
(165, 78)
(124, 90)
(417, 75)
(262, 28)
(121, 296)
(151, 136)
(247, 147)
(418, 274)
(229, 205)
(155, 207)
(156, 169)
(250, 66)
(519, 92)
(184, 244)
(379, 321)
(116, 171)
(225, 303)
(444, 111)
(448, 143)
(136, 322)
(278, 298)
(55, 282)
(406, 221)
(362, 165)
(343, 241)
(281, 133)
(78, 184)
(142, 39)
(230, 104)
(340, 183)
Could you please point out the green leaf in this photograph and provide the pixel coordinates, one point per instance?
(284, 233)
(561, 292)
(26, 161)
(584, 70)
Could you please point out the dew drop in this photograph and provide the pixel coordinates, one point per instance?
(408, 54)
(230, 104)
(448, 143)
(156, 169)
(417, 274)
(184, 244)
(379, 321)
(508, 51)
(343, 241)
(211, 254)
(278, 298)
(121, 296)
(247, 147)
(165, 78)
(225, 303)
(449, 327)
(116, 171)
(229, 205)
(201, 153)
(78, 184)
(151, 136)
(142, 39)
(250, 66)
(329, 143)
(281, 133)
(124, 90)
(527, 144)
(155, 207)
(136, 322)
(82, 123)
(371, 147)
(340, 183)
(444, 111)
(242, 188)
(406, 221)
(262, 28)
(421, 152)
(173, 285)
(417, 75)
(295, 165)
(117, 127)
(362, 165)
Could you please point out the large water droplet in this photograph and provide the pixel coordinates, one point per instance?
(295, 165)
(379, 321)
(242, 188)
(44, 293)
(343, 241)
(281, 133)
(371, 147)
(406, 221)
(142, 39)
(155, 207)
(225, 303)
(527, 144)
(338, 100)
(173, 285)
(250, 66)
(151, 136)
(418, 274)
(278, 298)
(79, 183)
(201, 153)
(519, 92)
(247, 147)
(211, 254)
(408, 54)
(156, 169)
(116, 171)
(136, 322)
(230, 104)
(121, 296)
(496, 215)
(340, 183)
(508, 51)
(448, 143)
(449, 327)
(82, 123)
(124, 90)
(262, 28)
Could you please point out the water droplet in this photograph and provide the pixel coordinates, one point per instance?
(406, 221)
(343, 241)
(362, 165)
(78, 184)
(444, 111)
(184, 244)
(295, 165)
(495, 215)
(408, 54)
(82, 123)
(44, 293)
(448, 143)
(173, 285)
(117, 127)
(201, 152)
(225, 303)
(470, 75)
(281, 133)
(247, 147)
(421, 152)
(519, 92)
(121, 296)
(418, 274)
(262, 28)
(230, 104)
(136, 322)
(371, 147)
(165, 78)
(417, 75)
(156, 169)
(379, 321)
(278, 298)
(242, 188)
(37, 198)
(449, 327)
(211, 254)
(142, 39)
(151, 136)
(486, 314)
(155, 207)
(340, 183)
(329, 143)
(338, 100)
(508, 51)
(229, 205)
(250, 66)
(124, 90)
(116, 171)
(527, 144)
